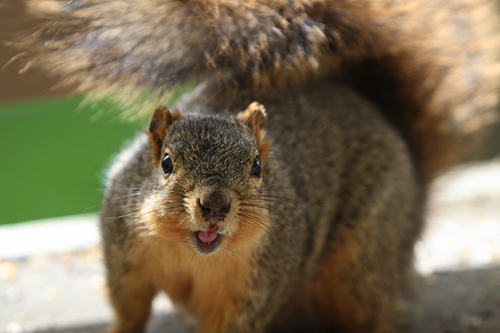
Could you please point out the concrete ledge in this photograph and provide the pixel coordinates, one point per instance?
(49, 236)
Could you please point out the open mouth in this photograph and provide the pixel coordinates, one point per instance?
(207, 241)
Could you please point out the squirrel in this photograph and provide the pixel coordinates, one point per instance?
(286, 191)
(248, 229)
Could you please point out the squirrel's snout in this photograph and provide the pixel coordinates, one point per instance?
(214, 212)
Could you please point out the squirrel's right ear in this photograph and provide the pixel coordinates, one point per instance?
(162, 118)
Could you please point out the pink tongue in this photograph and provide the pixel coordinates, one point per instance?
(207, 236)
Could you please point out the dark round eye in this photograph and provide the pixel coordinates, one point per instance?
(166, 165)
(256, 168)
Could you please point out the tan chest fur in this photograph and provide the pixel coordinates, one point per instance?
(209, 287)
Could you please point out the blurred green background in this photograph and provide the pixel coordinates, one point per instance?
(54, 157)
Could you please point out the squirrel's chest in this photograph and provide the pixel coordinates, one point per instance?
(202, 284)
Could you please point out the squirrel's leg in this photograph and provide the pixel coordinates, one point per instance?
(131, 289)
(131, 296)
(349, 298)
(358, 285)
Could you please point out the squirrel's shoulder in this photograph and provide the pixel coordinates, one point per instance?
(132, 166)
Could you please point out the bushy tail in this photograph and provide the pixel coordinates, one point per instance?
(431, 65)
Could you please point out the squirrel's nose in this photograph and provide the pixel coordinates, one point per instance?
(214, 213)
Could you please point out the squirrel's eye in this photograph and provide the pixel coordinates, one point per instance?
(256, 167)
(166, 165)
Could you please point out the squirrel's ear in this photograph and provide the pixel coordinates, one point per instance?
(254, 117)
(162, 118)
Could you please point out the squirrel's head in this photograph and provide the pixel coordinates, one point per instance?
(207, 178)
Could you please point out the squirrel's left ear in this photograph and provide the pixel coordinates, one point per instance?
(162, 118)
(254, 117)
